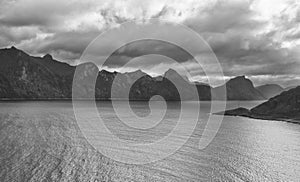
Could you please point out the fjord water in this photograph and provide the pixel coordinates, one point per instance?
(41, 141)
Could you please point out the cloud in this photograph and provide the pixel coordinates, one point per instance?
(18, 34)
(283, 80)
(253, 37)
(224, 16)
(145, 47)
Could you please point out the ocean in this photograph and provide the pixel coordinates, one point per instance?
(43, 141)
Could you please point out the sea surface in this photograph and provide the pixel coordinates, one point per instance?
(42, 141)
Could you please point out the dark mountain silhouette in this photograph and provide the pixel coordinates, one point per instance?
(270, 90)
(171, 86)
(240, 88)
(26, 77)
(29, 77)
(285, 107)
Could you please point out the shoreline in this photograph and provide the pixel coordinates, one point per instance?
(286, 120)
(246, 113)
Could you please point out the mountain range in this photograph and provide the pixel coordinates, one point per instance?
(27, 77)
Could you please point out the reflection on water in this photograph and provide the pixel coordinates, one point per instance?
(243, 150)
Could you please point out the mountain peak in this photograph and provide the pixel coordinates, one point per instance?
(241, 88)
(171, 73)
(48, 57)
(269, 90)
(13, 48)
(270, 85)
(240, 80)
(14, 51)
(137, 72)
(241, 77)
(170, 70)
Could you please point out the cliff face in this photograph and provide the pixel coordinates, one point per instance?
(241, 88)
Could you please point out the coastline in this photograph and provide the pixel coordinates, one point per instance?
(243, 112)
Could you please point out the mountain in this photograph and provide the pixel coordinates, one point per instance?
(270, 90)
(240, 88)
(289, 88)
(182, 84)
(285, 106)
(204, 91)
(171, 86)
(26, 77)
(6, 90)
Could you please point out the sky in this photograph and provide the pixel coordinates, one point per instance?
(256, 38)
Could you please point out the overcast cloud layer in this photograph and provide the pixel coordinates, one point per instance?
(257, 38)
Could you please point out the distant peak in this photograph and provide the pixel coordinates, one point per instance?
(174, 74)
(240, 77)
(48, 57)
(13, 48)
(240, 80)
(138, 71)
(170, 70)
(103, 71)
(271, 85)
(15, 51)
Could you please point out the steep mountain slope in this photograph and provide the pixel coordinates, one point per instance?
(285, 106)
(6, 91)
(270, 90)
(28, 78)
(240, 88)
